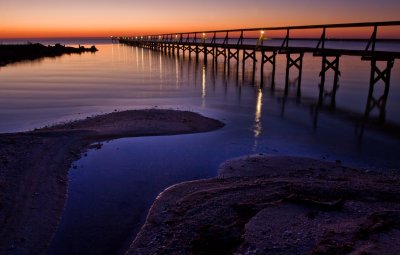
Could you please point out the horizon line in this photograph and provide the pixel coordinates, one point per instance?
(267, 38)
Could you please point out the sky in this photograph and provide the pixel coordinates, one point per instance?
(92, 18)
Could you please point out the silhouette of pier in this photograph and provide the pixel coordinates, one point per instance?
(241, 45)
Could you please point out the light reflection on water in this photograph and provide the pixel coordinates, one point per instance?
(257, 120)
(108, 200)
(38, 93)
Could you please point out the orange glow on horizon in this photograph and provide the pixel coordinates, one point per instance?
(107, 32)
(73, 18)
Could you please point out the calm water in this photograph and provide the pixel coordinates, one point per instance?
(108, 199)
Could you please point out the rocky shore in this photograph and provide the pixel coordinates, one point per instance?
(277, 205)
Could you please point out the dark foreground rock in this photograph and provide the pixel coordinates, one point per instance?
(34, 167)
(277, 205)
(32, 51)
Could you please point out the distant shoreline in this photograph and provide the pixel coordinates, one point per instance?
(11, 53)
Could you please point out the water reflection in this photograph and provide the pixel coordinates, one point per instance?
(177, 66)
(150, 60)
(142, 54)
(36, 94)
(258, 114)
(203, 86)
(137, 59)
(257, 120)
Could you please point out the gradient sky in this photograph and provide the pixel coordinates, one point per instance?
(56, 18)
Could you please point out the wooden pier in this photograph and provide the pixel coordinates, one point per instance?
(241, 45)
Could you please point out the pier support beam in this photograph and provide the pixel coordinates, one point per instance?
(268, 59)
(246, 55)
(199, 50)
(183, 50)
(206, 52)
(233, 53)
(328, 64)
(378, 75)
(168, 48)
(294, 62)
(220, 52)
(191, 49)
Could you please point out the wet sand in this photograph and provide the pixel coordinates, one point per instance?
(34, 167)
(277, 205)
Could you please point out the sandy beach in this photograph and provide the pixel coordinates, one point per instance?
(34, 167)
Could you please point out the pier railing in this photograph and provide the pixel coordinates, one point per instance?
(228, 44)
(237, 37)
